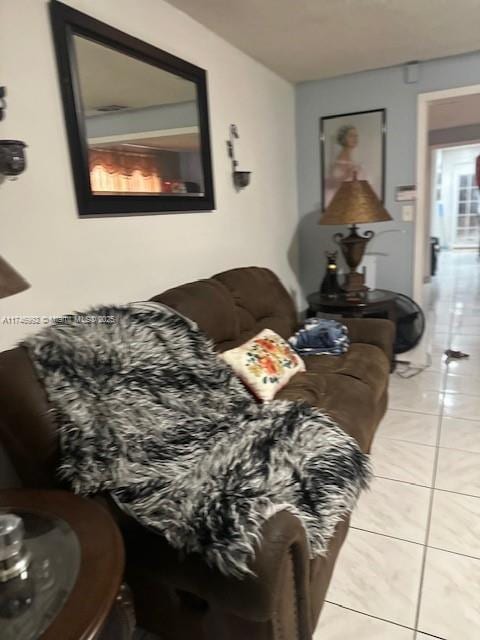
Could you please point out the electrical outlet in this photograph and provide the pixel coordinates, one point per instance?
(407, 212)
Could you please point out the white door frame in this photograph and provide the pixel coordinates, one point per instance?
(423, 102)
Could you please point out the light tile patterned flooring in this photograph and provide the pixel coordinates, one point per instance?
(410, 568)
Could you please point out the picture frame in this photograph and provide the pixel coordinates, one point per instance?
(351, 143)
(154, 137)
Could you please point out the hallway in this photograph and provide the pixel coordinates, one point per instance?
(410, 568)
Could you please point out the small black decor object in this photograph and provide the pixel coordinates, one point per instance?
(455, 355)
(12, 157)
(330, 286)
(12, 152)
(3, 104)
(241, 179)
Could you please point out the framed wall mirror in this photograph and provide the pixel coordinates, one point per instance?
(137, 121)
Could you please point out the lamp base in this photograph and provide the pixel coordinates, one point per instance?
(354, 282)
(353, 248)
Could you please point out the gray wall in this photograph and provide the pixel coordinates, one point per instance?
(359, 92)
(455, 135)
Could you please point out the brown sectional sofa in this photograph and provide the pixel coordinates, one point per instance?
(182, 598)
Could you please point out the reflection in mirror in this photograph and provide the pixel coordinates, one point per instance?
(141, 123)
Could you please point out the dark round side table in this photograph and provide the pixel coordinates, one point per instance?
(76, 570)
(371, 302)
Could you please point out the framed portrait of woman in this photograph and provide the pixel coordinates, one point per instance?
(352, 144)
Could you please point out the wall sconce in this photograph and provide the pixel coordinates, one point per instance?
(12, 154)
(241, 179)
(11, 163)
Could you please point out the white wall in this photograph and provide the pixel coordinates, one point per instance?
(74, 263)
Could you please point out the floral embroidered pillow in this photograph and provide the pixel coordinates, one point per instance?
(264, 363)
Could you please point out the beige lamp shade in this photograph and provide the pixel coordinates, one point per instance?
(11, 281)
(355, 202)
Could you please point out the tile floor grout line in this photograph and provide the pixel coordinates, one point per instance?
(420, 444)
(432, 446)
(460, 393)
(415, 484)
(427, 535)
(419, 544)
(420, 413)
(427, 413)
(423, 413)
(368, 615)
(386, 535)
(434, 478)
(454, 553)
(457, 493)
(455, 448)
(424, 486)
(464, 419)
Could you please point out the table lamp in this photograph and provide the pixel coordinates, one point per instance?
(354, 203)
(11, 281)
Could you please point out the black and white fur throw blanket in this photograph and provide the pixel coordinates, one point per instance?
(147, 411)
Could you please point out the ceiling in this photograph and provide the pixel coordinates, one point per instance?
(454, 112)
(310, 39)
(108, 77)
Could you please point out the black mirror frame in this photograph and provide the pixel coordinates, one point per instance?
(67, 22)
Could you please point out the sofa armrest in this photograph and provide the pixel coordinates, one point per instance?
(284, 549)
(376, 331)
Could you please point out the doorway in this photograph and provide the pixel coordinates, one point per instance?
(455, 197)
(446, 119)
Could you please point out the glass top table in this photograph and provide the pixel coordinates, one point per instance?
(368, 301)
(31, 601)
(75, 572)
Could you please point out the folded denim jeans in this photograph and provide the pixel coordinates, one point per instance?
(319, 336)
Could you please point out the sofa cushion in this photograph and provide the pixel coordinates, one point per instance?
(261, 301)
(375, 331)
(209, 304)
(346, 400)
(362, 362)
